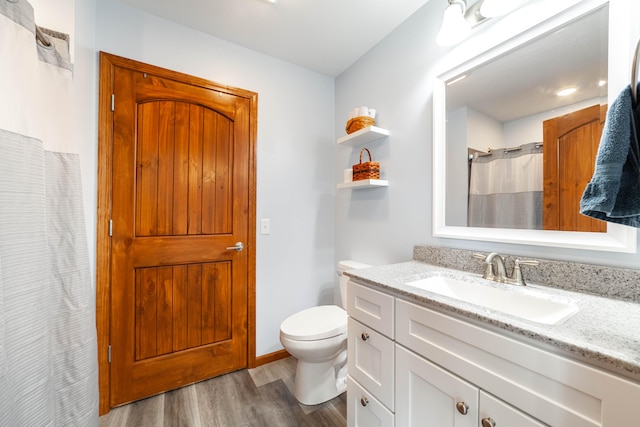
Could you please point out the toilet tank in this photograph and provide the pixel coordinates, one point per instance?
(343, 266)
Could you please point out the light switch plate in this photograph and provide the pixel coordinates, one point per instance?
(265, 226)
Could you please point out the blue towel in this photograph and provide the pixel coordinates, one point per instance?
(613, 194)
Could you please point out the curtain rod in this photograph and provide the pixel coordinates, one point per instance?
(490, 151)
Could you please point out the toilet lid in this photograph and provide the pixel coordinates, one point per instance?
(315, 323)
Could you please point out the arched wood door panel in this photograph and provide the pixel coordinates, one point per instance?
(570, 147)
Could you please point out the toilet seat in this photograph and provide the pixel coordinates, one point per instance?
(315, 323)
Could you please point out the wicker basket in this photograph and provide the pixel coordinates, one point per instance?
(368, 170)
(358, 123)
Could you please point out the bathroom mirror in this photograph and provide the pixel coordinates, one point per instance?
(498, 100)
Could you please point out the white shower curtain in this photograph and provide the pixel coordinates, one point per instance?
(505, 188)
(48, 354)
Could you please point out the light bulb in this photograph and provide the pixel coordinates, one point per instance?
(454, 26)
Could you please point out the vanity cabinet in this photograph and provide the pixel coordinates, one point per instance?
(546, 388)
(370, 383)
(450, 371)
(425, 391)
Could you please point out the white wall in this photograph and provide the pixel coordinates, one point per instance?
(466, 128)
(458, 134)
(484, 131)
(295, 148)
(382, 225)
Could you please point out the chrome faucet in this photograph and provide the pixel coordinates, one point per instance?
(490, 273)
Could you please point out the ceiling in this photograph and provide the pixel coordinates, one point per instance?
(326, 36)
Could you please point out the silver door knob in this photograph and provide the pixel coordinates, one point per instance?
(239, 247)
(462, 407)
(488, 422)
(364, 401)
(364, 336)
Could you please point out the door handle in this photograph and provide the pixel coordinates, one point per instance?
(239, 247)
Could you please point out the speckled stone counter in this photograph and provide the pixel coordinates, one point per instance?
(605, 332)
(610, 282)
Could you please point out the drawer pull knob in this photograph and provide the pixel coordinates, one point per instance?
(365, 336)
(364, 401)
(462, 407)
(488, 422)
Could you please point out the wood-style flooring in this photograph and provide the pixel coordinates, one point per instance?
(251, 397)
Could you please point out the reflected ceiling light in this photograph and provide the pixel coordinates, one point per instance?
(493, 8)
(602, 83)
(454, 25)
(568, 91)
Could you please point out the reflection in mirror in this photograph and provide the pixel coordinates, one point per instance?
(508, 88)
(519, 152)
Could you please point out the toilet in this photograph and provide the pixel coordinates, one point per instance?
(317, 337)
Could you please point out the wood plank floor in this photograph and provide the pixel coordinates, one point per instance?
(250, 397)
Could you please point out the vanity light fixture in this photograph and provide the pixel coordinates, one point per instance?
(458, 19)
(493, 8)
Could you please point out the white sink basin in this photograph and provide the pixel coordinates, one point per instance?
(521, 302)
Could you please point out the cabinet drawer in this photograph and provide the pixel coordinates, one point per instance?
(503, 414)
(427, 395)
(371, 361)
(371, 307)
(554, 389)
(363, 409)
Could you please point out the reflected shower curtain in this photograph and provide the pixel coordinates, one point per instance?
(48, 354)
(505, 188)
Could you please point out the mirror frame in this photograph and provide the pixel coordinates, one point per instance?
(618, 238)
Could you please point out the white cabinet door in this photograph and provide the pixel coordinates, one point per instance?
(495, 412)
(363, 409)
(370, 361)
(427, 395)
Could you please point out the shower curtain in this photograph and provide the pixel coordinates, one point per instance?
(48, 353)
(505, 188)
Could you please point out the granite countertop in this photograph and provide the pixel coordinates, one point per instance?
(605, 332)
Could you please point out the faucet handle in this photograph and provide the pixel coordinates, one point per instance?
(527, 262)
(518, 277)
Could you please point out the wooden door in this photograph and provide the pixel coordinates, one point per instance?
(570, 148)
(180, 204)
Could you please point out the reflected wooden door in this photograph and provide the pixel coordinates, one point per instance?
(181, 161)
(570, 147)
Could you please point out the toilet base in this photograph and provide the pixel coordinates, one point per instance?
(317, 383)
